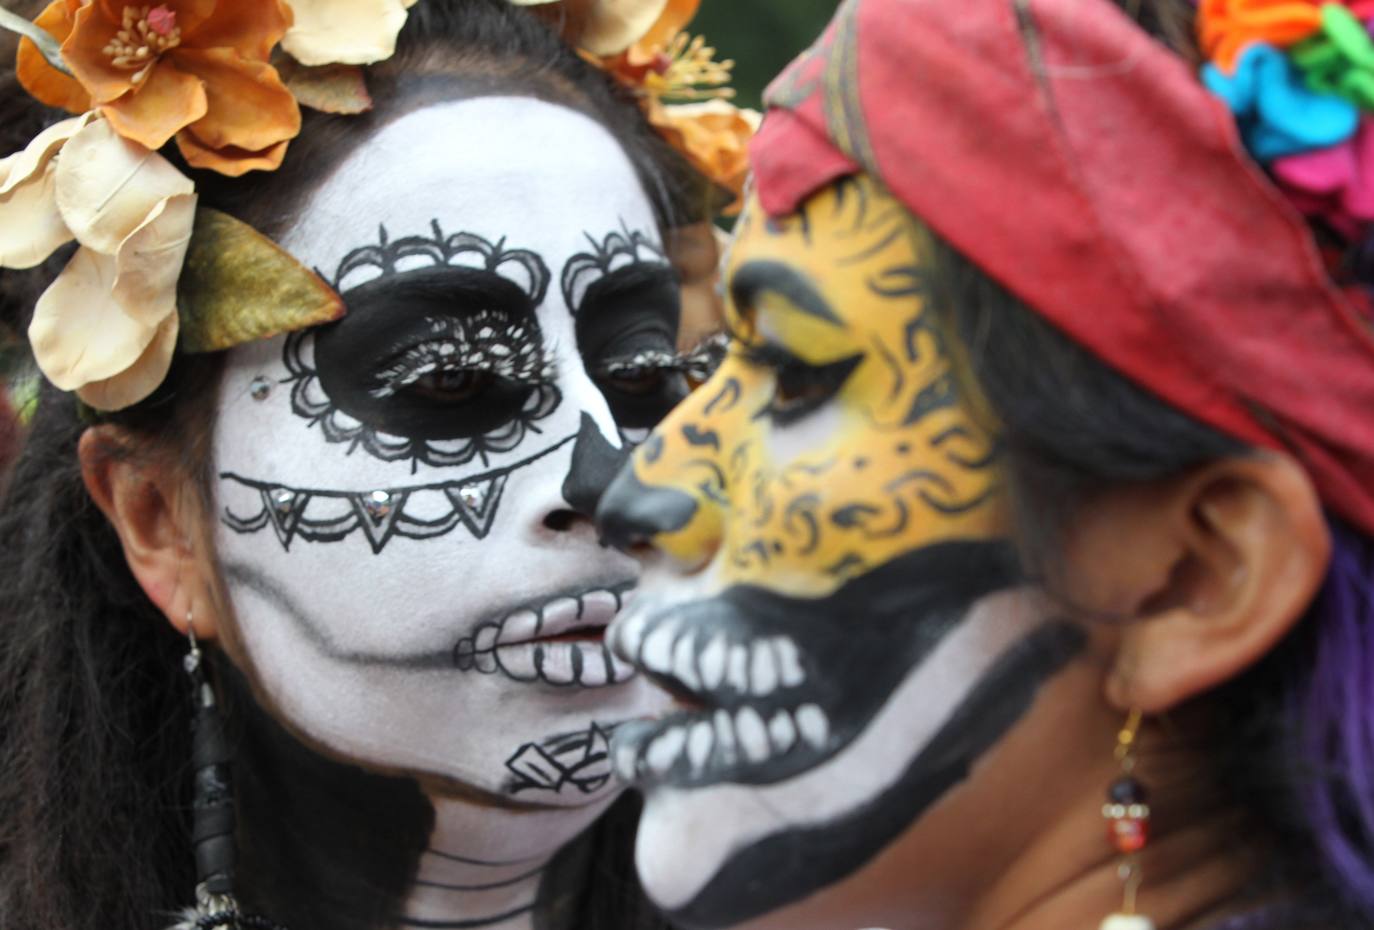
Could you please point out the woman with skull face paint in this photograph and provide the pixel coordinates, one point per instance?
(1044, 410)
(378, 528)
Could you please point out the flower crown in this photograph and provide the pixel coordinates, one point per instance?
(1298, 75)
(153, 273)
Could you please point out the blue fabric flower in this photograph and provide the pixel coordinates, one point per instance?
(1277, 112)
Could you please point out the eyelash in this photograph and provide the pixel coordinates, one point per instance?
(485, 343)
(697, 364)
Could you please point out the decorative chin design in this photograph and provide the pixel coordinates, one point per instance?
(310, 401)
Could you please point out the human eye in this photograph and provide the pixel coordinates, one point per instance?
(800, 387)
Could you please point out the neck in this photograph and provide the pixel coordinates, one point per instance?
(485, 867)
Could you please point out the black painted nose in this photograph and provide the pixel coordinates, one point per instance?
(631, 513)
(594, 464)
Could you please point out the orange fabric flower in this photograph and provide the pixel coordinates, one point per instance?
(1225, 27)
(714, 135)
(195, 70)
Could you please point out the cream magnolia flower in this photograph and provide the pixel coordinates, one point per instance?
(349, 32)
(609, 27)
(107, 326)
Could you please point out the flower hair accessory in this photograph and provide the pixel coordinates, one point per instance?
(224, 80)
(1299, 77)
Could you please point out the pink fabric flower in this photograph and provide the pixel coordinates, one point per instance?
(1335, 183)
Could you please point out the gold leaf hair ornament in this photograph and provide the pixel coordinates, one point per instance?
(683, 90)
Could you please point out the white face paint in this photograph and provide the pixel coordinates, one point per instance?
(394, 531)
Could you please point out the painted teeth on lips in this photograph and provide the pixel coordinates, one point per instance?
(703, 746)
(707, 663)
(523, 645)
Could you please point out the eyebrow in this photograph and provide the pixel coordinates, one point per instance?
(629, 280)
(756, 279)
(440, 284)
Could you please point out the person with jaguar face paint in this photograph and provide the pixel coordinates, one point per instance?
(345, 481)
(1015, 569)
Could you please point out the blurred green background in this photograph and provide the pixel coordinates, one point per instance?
(762, 36)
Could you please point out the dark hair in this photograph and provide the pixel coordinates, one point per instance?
(94, 707)
(1292, 743)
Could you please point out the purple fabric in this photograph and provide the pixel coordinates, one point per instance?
(1336, 712)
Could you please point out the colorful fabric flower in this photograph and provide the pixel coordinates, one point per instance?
(1340, 58)
(351, 32)
(195, 70)
(1226, 27)
(1336, 183)
(107, 326)
(1277, 112)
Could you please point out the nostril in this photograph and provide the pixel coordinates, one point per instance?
(561, 521)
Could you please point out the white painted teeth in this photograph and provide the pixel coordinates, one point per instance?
(506, 647)
(725, 738)
(789, 662)
(751, 734)
(738, 673)
(685, 661)
(782, 731)
(664, 750)
(657, 655)
(814, 725)
(763, 669)
(693, 745)
(699, 744)
(712, 662)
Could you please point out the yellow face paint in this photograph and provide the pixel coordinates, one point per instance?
(835, 435)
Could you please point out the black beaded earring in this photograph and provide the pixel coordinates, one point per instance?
(1128, 827)
(212, 811)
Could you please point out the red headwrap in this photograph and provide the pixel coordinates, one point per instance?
(1083, 166)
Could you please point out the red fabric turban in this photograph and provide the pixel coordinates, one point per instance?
(1081, 164)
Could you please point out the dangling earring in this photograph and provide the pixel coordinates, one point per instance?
(1128, 827)
(212, 810)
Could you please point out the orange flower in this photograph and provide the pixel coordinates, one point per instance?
(195, 70)
(1225, 27)
(714, 135)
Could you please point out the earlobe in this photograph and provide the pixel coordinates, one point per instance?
(1252, 550)
(143, 504)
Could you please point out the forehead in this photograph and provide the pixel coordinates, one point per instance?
(846, 255)
(541, 175)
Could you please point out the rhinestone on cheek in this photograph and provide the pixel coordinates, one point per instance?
(378, 504)
(260, 388)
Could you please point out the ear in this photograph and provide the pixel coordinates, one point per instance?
(151, 509)
(1214, 569)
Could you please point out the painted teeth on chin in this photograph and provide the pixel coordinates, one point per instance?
(751, 734)
(725, 738)
(485, 638)
(782, 731)
(814, 725)
(663, 752)
(700, 742)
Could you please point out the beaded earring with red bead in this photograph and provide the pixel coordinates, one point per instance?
(1128, 827)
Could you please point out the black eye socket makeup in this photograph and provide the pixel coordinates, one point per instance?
(627, 334)
(435, 353)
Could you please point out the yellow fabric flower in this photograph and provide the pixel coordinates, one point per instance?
(107, 327)
(350, 32)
